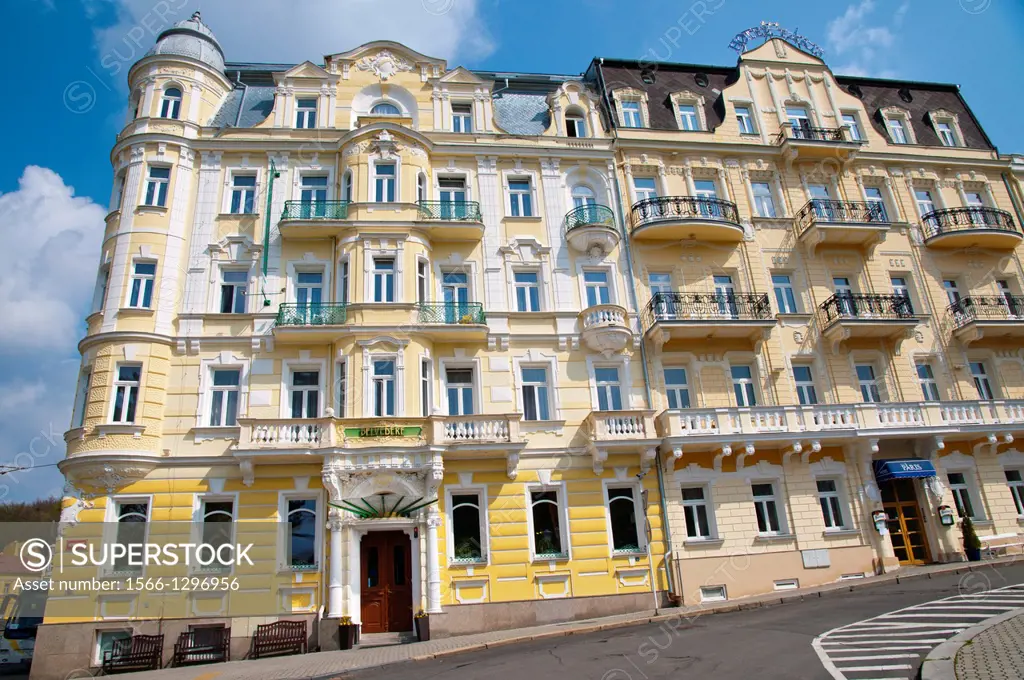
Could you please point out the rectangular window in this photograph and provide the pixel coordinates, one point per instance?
(677, 390)
(575, 126)
(382, 382)
(343, 282)
(105, 642)
(696, 512)
(623, 520)
(224, 397)
(305, 113)
(243, 194)
(141, 291)
(946, 135)
(961, 494)
(952, 291)
(631, 114)
(1016, 483)
(305, 394)
(744, 121)
(764, 201)
(383, 279)
(426, 371)
(924, 201)
(981, 381)
(301, 542)
(341, 394)
(743, 385)
(766, 507)
(462, 117)
(902, 290)
(545, 509)
(81, 397)
(609, 390)
(422, 281)
(218, 518)
(926, 379)
(798, 119)
(852, 127)
(897, 132)
(869, 392)
(785, 298)
(126, 393)
(99, 296)
(156, 186)
(520, 197)
(831, 503)
(460, 391)
(132, 517)
(688, 117)
(467, 514)
(527, 291)
(313, 193)
(876, 203)
(384, 182)
(596, 285)
(232, 291)
(644, 188)
(535, 394)
(805, 390)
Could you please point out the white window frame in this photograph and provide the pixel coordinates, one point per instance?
(689, 98)
(531, 194)
(749, 117)
(81, 396)
(199, 502)
(754, 381)
(347, 186)
(395, 179)
(111, 517)
(284, 536)
(535, 359)
(145, 280)
(892, 113)
(988, 375)
(785, 309)
(841, 503)
(584, 285)
(229, 190)
(371, 392)
(627, 94)
(426, 378)
(758, 199)
(472, 365)
(636, 195)
(932, 192)
(607, 486)
(933, 382)
(288, 367)
(877, 381)
(855, 126)
(305, 115)
(170, 104)
(342, 392)
(578, 118)
(802, 386)
(952, 120)
(229, 267)
(780, 506)
(563, 521)
(538, 285)
(161, 186)
(969, 486)
(383, 273)
(675, 387)
(207, 389)
(97, 650)
(1016, 488)
(621, 384)
(115, 384)
(709, 508)
(485, 534)
(460, 118)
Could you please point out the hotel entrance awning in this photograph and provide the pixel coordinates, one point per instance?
(910, 468)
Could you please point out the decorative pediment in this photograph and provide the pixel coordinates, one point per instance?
(576, 92)
(525, 248)
(238, 248)
(387, 142)
(384, 59)
(462, 75)
(395, 343)
(306, 69)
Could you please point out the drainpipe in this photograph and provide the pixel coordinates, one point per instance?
(624, 234)
(274, 174)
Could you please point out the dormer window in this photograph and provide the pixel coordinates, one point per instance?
(631, 114)
(385, 109)
(852, 126)
(689, 108)
(575, 125)
(632, 104)
(947, 127)
(170, 103)
(688, 117)
(744, 121)
(897, 123)
(896, 131)
(305, 113)
(462, 117)
(946, 134)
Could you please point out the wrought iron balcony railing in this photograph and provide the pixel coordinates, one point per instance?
(853, 306)
(586, 215)
(325, 314)
(683, 207)
(812, 134)
(702, 307)
(939, 222)
(822, 210)
(315, 210)
(970, 309)
(451, 211)
(451, 313)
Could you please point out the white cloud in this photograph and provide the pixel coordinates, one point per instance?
(293, 31)
(865, 39)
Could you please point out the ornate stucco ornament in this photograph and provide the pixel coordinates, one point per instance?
(384, 64)
(771, 29)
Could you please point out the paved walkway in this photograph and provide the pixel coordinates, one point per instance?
(995, 654)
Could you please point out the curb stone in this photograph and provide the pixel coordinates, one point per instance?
(940, 664)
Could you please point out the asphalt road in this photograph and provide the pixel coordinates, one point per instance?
(761, 644)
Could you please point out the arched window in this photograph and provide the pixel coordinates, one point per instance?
(421, 187)
(135, 105)
(170, 103)
(575, 123)
(583, 195)
(385, 109)
(346, 186)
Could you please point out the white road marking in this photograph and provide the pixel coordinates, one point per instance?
(894, 667)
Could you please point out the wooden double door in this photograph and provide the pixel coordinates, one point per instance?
(905, 521)
(386, 582)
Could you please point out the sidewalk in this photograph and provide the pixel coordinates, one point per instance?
(315, 666)
(992, 650)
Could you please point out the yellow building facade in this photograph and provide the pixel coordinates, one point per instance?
(507, 349)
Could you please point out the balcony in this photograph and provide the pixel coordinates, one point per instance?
(677, 218)
(800, 142)
(842, 223)
(312, 219)
(452, 220)
(686, 316)
(591, 226)
(309, 322)
(973, 227)
(621, 432)
(990, 318)
(847, 316)
(605, 328)
(451, 320)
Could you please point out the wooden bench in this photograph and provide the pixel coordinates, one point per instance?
(280, 637)
(1000, 542)
(202, 645)
(137, 653)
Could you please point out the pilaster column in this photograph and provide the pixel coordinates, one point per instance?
(351, 584)
(335, 587)
(490, 197)
(119, 262)
(171, 272)
(433, 571)
(554, 211)
(691, 188)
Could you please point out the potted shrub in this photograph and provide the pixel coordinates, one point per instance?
(348, 632)
(972, 544)
(422, 621)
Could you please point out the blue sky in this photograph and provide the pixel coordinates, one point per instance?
(69, 60)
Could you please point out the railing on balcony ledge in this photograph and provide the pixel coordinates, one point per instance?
(602, 316)
(612, 425)
(480, 428)
(974, 308)
(451, 211)
(811, 134)
(450, 313)
(713, 306)
(827, 211)
(292, 433)
(589, 215)
(683, 207)
(939, 222)
(315, 210)
(328, 314)
(854, 306)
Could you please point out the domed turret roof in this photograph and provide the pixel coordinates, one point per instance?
(191, 38)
